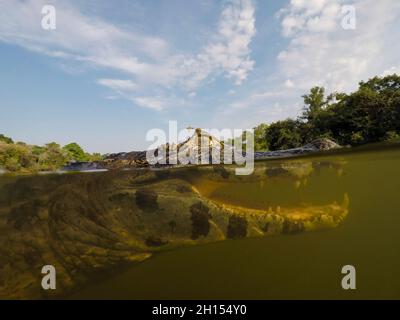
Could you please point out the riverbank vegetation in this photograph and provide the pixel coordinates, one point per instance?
(370, 114)
(21, 157)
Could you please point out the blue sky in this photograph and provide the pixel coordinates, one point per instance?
(113, 70)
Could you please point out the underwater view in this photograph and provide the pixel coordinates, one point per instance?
(202, 232)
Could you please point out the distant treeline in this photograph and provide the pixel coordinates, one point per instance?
(21, 157)
(370, 114)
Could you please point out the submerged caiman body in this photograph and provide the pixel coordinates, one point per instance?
(88, 224)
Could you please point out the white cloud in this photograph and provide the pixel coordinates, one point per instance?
(148, 60)
(77, 36)
(289, 83)
(391, 71)
(118, 85)
(253, 110)
(229, 52)
(236, 30)
(320, 52)
(150, 102)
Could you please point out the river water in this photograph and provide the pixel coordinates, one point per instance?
(301, 266)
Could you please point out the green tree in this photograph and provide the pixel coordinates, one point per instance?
(75, 152)
(6, 139)
(53, 157)
(283, 135)
(17, 157)
(317, 114)
(21, 157)
(95, 157)
(369, 113)
(314, 102)
(37, 150)
(260, 139)
(384, 112)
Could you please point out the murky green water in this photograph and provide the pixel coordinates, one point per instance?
(302, 266)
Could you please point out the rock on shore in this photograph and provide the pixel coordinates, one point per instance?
(317, 145)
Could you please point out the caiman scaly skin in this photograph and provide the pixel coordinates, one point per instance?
(88, 224)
